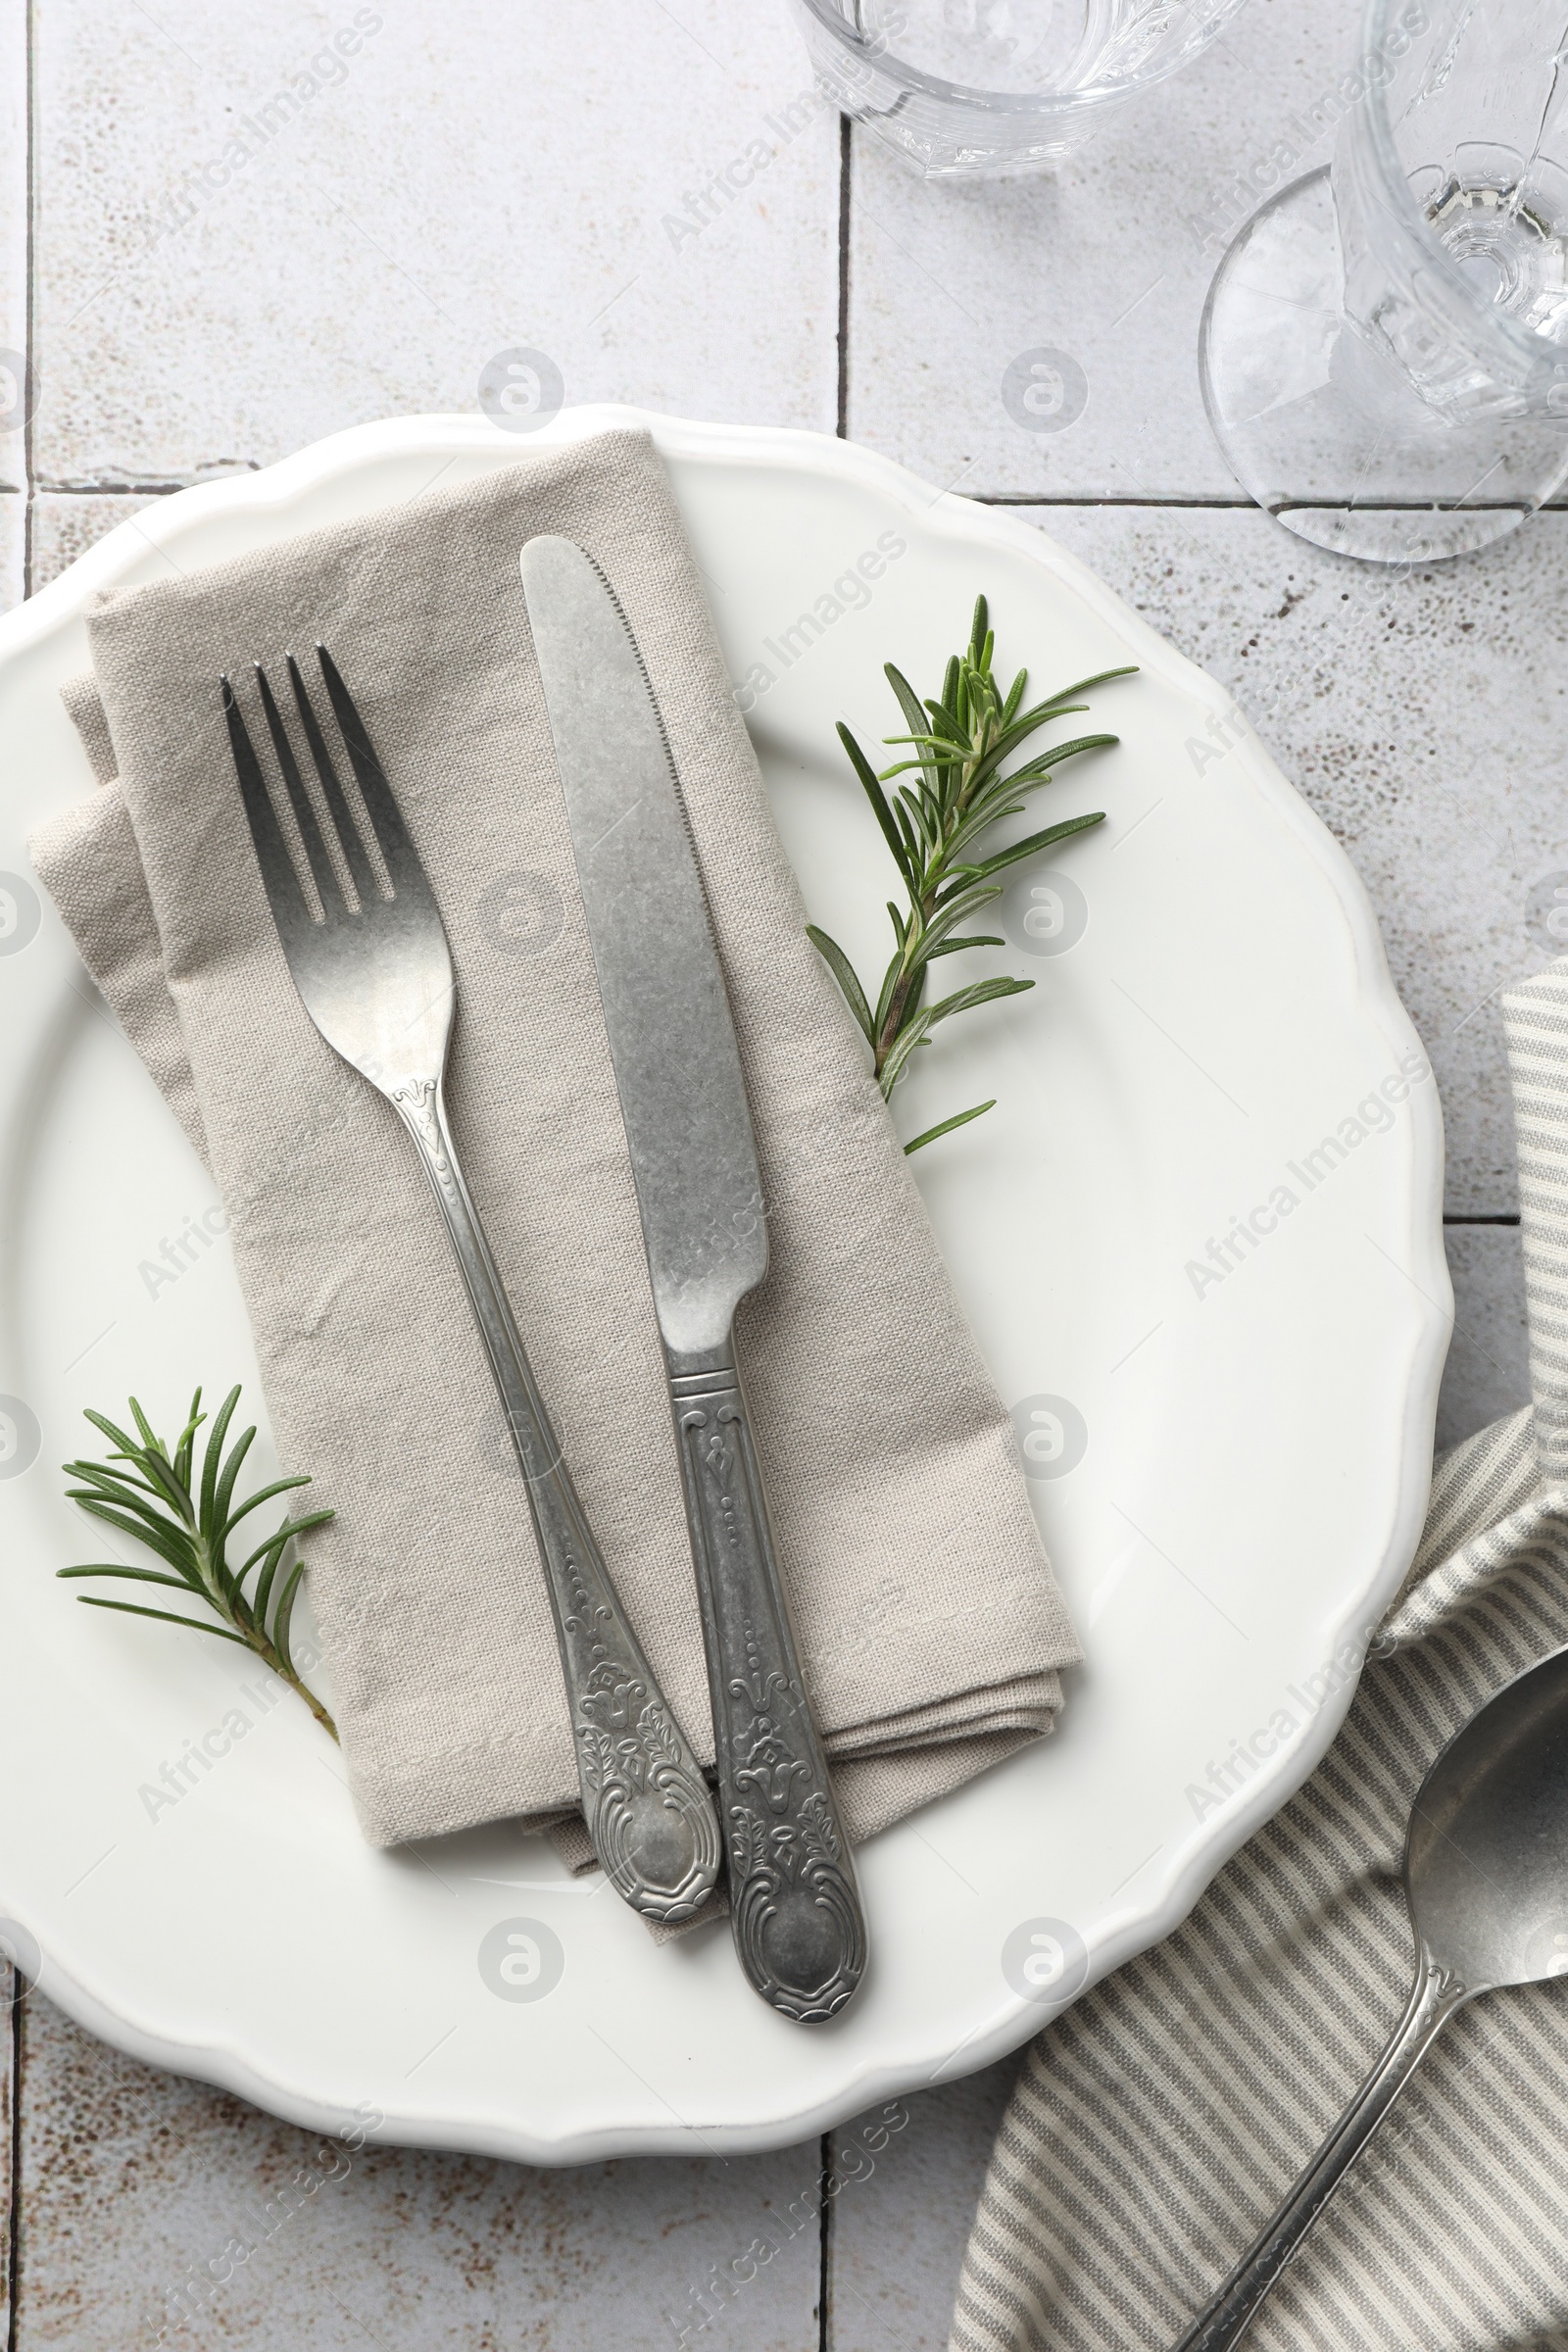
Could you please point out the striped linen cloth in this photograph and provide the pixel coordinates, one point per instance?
(1157, 2125)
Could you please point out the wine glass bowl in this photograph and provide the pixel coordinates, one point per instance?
(1385, 347)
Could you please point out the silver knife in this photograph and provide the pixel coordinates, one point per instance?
(794, 1904)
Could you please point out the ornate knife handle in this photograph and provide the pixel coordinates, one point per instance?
(646, 1805)
(794, 1904)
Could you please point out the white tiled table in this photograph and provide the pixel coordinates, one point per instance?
(487, 173)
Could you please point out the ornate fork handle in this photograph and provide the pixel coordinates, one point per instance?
(795, 1908)
(646, 1805)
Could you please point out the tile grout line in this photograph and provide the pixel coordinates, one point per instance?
(12, 2122)
(118, 489)
(842, 427)
(1083, 502)
(1205, 501)
(13, 2197)
(824, 2254)
(846, 176)
(1219, 498)
(30, 289)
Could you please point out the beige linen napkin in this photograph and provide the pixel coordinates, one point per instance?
(1157, 2126)
(930, 1626)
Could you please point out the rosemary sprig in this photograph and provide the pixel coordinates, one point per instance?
(188, 1525)
(933, 825)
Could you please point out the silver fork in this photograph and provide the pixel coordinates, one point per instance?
(374, 973)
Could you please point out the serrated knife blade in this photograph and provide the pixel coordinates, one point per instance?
(795, 1908)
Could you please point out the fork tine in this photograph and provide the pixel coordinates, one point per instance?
(366, 881)
(279, 878)
(386, 819)
(322, 871)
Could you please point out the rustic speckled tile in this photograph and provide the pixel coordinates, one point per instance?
(1419, 717)
(1488, 1371)
(1109, 263)
(151, 2201)
(13, 531)
(248, 238)
(902, 2215)
(65, 525)
(13, 226)
(9, 1984)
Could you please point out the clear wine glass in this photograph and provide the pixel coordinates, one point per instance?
(991, 86)
(1383, 349)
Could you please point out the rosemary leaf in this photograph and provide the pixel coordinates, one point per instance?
(878, 798)
(215, 1449)
(143, 1576)
(911, 1038)
(959, 1119)
(1037, 841)
(230, 1471)
(165, 1540)
(843, 971)
(979, 939)
(979, 991)
(1101, 677)
(282, 1617)
(271, 1559)
(914, 711)
(278, 1485)
(129, 1608)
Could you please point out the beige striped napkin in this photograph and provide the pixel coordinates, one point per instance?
(1157, 2125)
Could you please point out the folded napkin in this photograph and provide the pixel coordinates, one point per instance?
(1157, 2126)
(929, 1623)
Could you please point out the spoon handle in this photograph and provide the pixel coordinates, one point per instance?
(1219, 2324)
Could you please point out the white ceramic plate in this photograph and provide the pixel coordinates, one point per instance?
(1231, 1465)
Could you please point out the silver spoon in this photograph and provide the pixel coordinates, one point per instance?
(1486, 1876)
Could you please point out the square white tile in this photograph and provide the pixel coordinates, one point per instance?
(247, 239)
(956, 284)
(1417, 716)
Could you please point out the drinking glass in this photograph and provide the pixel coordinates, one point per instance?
(991, 86)
(1384, 351)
